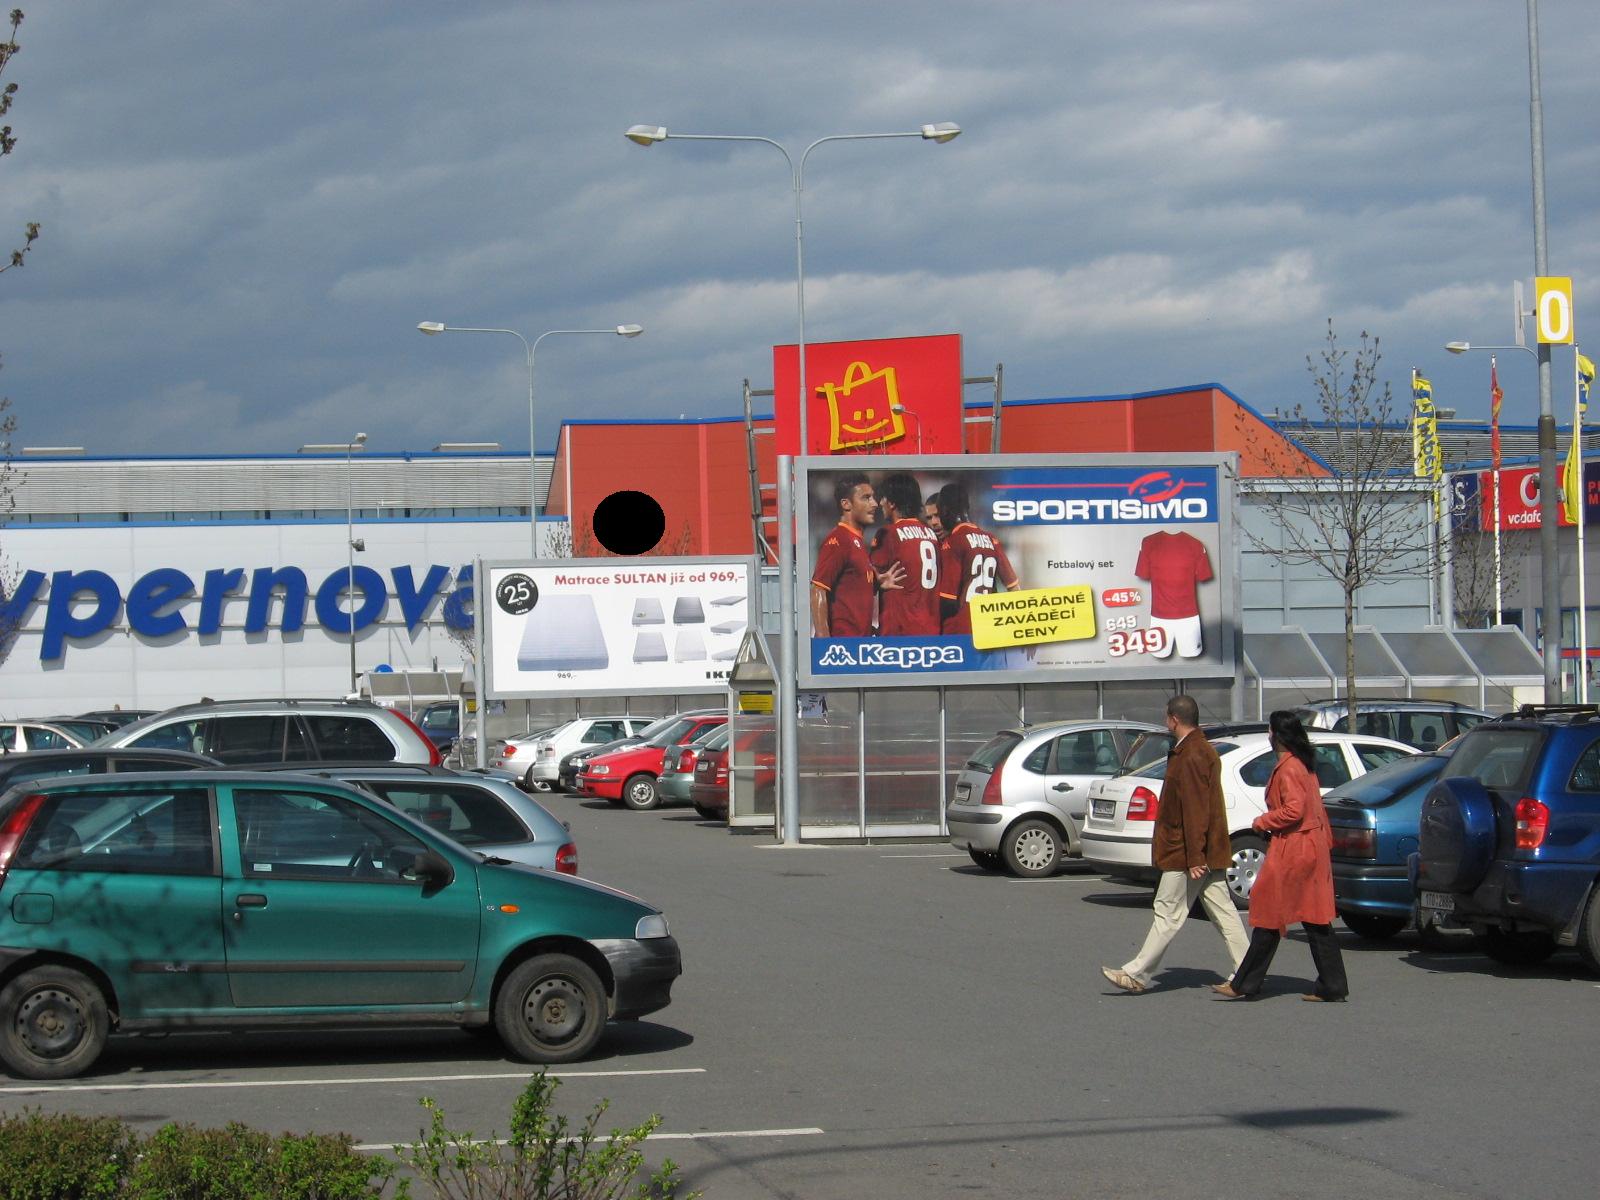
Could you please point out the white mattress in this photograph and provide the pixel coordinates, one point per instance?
(649, 647)
(688, 611)
(647, 611)
(563, 634)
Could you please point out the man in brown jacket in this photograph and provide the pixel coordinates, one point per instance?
(1190, 848)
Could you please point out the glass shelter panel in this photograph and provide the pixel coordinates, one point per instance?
(829, 756)
(753, 769)
(1043, 702)
(972, 717)
(902, 759)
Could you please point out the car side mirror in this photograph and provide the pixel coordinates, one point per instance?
(432, 870)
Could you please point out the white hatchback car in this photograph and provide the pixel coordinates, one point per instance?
(536, 757)
(1122, 810)
(1019, 801)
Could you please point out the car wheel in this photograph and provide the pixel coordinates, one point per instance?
(1032, 849)
(55, 1023)
(1373, 928)
(639, 793)
(1522, 948)
(551, 1009)
(987, 859)
(1589, 932)
(1249, 853)
(707, 814)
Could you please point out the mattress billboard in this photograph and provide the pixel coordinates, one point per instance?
(972, 569)
(594, 627)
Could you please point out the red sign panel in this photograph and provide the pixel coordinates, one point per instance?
(1519, 499)
(886, 396)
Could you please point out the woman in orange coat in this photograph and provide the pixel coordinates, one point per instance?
(1296, 881)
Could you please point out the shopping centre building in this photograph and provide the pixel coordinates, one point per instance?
(152, 581)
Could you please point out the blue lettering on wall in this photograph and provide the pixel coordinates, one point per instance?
(157, 599)
(373, 598)
(160, 589)
(59, 621)
(219, 585)
(414, 601)
(264, 582)
(458, 604)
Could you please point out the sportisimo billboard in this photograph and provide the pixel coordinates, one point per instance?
(590, 627)
(977, 569)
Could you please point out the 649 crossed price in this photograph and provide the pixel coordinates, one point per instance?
(1136, 641)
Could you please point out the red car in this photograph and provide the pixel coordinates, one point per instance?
(709, 791)
(628, 776)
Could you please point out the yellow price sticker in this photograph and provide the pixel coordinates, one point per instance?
(755, 702)
(1028, 618)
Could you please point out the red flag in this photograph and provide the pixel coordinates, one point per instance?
(1495, 396)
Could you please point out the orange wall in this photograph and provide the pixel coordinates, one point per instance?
(699, 471)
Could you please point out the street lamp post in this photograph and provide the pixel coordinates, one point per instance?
(529, 349)
(789, 649)
(351, 542)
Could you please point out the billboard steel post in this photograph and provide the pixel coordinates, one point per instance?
(788, 651)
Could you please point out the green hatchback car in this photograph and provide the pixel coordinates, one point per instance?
(209, 899)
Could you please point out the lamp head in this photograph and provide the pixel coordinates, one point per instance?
(360, 439)
(629, 331)
(646, 135)
(358, 543)
(430, 327)
(943, 132)
(1458, 347)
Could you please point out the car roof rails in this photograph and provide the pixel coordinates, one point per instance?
(1574, 713)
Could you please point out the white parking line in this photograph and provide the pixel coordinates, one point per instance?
(813, 1131)
(941, 855)
(172, 1087)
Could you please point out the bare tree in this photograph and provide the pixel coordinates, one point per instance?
(1471, 553)
(1359, 524)
(10, 623)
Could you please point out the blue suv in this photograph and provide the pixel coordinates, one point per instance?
(1510, 836)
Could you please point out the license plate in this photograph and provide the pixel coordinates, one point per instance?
(1103, 809)
(1437, 901)
(963, 792)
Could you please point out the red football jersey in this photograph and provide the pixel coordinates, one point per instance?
(1174, 563)
(978, 566)
(845, 573)
(913, 607)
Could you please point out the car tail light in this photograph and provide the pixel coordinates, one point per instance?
(1352, 842)
(508, 751)
(1533, 822)
(435, 759)
(991, 790)
(686, 760)
(1142, 804)
(722, 775)
(13, 827)
(567, 859)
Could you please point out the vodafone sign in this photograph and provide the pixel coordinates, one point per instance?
(1519, 498)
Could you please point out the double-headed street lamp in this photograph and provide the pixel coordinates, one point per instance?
(351, 542)
(529, 349)
(788, 657)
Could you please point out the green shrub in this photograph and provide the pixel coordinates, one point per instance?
(59, 1156)
(541, 1159)
(184, 1162)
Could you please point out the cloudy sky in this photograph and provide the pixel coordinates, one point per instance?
(248, 207)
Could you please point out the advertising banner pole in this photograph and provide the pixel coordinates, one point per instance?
(480, 664)
(788, 655)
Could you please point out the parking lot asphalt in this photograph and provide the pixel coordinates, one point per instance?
(888, 1021)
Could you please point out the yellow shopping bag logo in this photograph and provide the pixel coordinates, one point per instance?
(862, 410)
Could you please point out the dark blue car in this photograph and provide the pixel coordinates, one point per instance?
(1374, 820)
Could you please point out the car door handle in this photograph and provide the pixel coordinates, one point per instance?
(1061, 787)
(250, 900)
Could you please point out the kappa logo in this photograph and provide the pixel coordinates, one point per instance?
(893, 657)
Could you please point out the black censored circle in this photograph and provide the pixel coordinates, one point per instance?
(629, 523)
(516, 594)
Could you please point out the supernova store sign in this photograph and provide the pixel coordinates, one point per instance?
(594, 627)
(975, 569)
(78, 605)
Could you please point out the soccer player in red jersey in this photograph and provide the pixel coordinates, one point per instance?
(976, 562)
(907, 542)
(842, 583)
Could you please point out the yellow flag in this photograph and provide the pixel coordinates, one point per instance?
(1572, 479)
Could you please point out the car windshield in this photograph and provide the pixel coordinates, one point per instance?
(443, 717)
(1496, 757)
(668, 735)
(717, 739)
(993, 752)
(1382, 784)
(656, 726)
(1147, 748)
(1158, 769)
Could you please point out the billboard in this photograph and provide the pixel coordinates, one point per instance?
(1519, 498)
(969, 569)
(645, 626)
(883, 396)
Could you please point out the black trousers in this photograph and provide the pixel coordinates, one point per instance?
(1331, 981)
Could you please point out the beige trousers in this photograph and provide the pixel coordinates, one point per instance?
(1175, 896)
